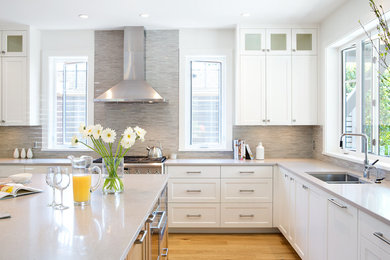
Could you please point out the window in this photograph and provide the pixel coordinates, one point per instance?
(366, 97)
(68, 99)
(205, 125)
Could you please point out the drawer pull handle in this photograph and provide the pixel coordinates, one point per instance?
(197, 172)
(247, 172)
(165, 254)
(285, 176)
(194, 216)
(382, 237)
(337, 204)
(141, 240)
(247, 190)
(194, 190)
(304, 187)
(246, 216)
(291, 178)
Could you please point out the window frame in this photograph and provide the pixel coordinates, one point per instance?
(218, 55)
(48, 93)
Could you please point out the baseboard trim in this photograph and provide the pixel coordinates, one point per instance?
(224, 230)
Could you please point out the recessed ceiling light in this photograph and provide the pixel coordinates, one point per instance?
(144, 15)
(245, 14)
(83, 16)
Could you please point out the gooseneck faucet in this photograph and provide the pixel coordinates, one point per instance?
(367, 165)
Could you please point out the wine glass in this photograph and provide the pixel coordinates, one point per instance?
(61, 184)
(50, 177)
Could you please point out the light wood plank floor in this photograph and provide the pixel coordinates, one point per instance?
(229, 247)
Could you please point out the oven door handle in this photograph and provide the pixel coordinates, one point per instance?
(160, 222)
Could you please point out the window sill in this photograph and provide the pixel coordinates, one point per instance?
(66, 149)
(383, 163)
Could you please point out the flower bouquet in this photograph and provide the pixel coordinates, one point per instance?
(112, 159)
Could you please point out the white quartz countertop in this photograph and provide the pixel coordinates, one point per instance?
(214, 162)
(106, 229)
(38, 161)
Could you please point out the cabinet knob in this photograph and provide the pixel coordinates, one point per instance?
(3, 52)
(3, 121)
(268, 50)
(294, 50)
(263, 50)
(294, 120)
(268, 120)
(264, 120)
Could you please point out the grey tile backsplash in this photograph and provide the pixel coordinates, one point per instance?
(160, 120)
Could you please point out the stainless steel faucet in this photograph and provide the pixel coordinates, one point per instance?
(367, 165)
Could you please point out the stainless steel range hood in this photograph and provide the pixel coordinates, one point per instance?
(133, 88)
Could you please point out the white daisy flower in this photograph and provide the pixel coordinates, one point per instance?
(74, 140)
(82, 128)
(129, 135)
(140, 133)
(127, 143)
(88, 130)
(108, 135)
(97, 131)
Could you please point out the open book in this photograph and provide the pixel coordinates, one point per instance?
(11, 190)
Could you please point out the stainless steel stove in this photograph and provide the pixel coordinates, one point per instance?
(141, 165)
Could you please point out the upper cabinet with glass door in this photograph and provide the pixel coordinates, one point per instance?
(279, 41)
(304, 41)
(252, 41)
(13, 43)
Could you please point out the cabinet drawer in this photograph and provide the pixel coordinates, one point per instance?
(194, 172)
(194, 215)
(246, 172)
(235, 190)
(375, 231)
(194, 190)
(246, 215)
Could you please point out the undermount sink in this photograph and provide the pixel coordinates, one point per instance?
(338, 177)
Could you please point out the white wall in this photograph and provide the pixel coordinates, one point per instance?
(65, 43)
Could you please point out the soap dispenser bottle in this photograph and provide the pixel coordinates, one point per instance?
(260, 151)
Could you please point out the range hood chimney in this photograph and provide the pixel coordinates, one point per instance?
(133, 88)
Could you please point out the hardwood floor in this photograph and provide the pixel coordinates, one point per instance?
(229, 247)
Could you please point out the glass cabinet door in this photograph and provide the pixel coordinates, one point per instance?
(304, 41)
(279, 41)
(13, 43)
(252, 41)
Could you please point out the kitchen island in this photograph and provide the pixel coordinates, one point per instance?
(106, 229)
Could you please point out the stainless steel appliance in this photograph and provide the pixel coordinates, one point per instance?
(141, 164)
(159, 229)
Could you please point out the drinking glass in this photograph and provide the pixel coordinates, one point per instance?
(51, 175)
(61, 184)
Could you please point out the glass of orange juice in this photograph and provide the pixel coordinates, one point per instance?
(82, 179)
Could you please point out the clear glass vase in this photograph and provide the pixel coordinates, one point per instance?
(113, 171)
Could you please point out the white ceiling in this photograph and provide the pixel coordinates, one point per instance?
(63, 14)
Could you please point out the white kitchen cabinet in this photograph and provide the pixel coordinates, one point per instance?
(252, 41)
(304, 90)
(342, 231)
(278, 41)
(291, 210)
(244, 190)
(374, 238)
(301, 218)
(13, 43)
(283, 198)
(14, 94)
(252, 215)
(316, 246)
(194, 190)
(278, 87)
(251, 103)
(7, 170)
(304, 41)
(190, 215)
(278, 90)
